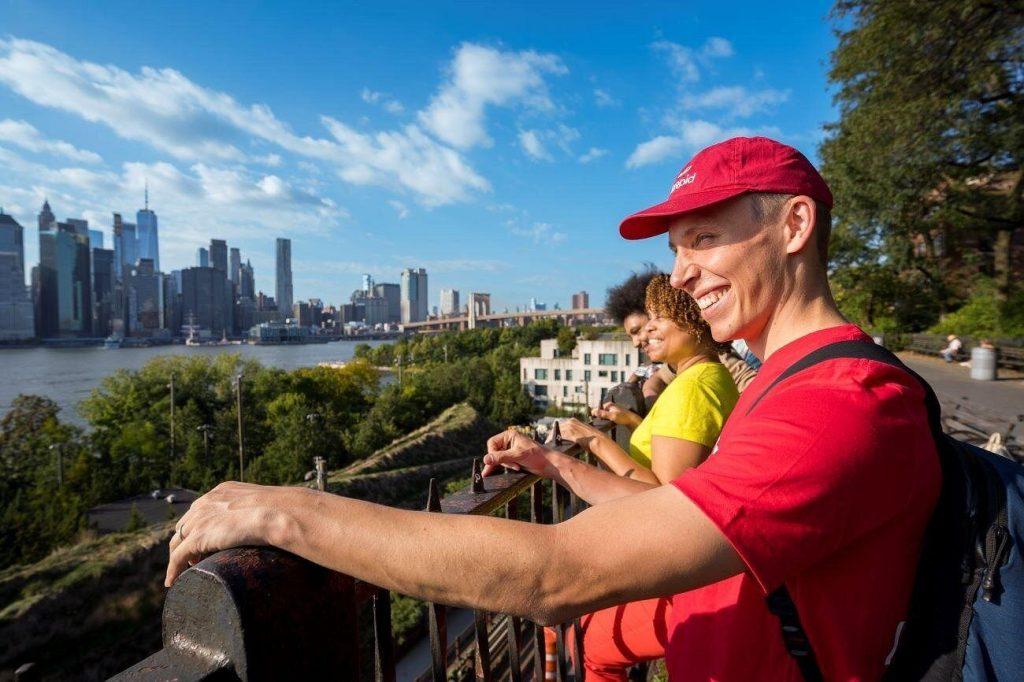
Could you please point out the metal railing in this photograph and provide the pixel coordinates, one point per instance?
(260, 614)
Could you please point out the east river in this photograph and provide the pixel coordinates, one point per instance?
(67, 375)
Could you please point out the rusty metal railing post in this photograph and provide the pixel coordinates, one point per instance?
(536, 514)
(437, 616)
(383, 642)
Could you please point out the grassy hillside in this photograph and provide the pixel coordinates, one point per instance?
(91, 609)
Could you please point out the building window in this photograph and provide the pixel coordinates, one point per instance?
(524, 374)
(627, 360)
(603, 374)
(565, 391)
(568, 375)
(615, 375)
(558, 375)
(540, 374)
(586, 375)
(586, 358)
(579, 389)
(604, 392)
(540, 390)
(607, 359)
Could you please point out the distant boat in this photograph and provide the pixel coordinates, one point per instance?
(113, 341)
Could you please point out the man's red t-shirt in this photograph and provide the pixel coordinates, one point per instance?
(827, 487)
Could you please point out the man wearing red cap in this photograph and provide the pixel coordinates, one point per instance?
(818, 490)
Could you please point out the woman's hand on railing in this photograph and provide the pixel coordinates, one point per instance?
(519, 452)
(617, 414)
(584, 435)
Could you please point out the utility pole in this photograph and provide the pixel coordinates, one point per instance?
(241, 435)
(205, 429)
(59, 448)
(170, 385)
(446, 353)
(399, 370)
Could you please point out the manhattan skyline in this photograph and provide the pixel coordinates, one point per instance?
(472, 143)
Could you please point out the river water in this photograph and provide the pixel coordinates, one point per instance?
(67, 375)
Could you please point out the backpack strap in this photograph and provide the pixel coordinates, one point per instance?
(780, 602)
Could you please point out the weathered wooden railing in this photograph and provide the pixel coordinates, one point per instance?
(263, 614)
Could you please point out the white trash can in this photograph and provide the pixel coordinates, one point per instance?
(983, 364)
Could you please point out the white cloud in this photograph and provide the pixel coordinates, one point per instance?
(534, 142)
(390, 104)
(165, 109)
(685, 62)
(717, 47)
(407, 157)
(691, 136)
(603, 98)
(593, 154)
(538, 232)
(401, 209)
(480, 76)
(736, 100)
(654, 150)
(531, 144)
(26, 136)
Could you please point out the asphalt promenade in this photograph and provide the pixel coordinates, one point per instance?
(1001, 400)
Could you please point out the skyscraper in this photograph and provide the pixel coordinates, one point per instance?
(95, 239)
(235, 265)
(414, 295)
(17, 318)
(125, 246)
(202, 257)
(367, 283)
(146, 232)
(246, 281)
(392, 294)
(580, 300)
(65, 278)
(219, 255)
(283, 275)
(145, 299)
(103, 291)
(203, 301)
(449, 302)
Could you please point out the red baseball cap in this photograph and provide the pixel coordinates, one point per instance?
(726, 170)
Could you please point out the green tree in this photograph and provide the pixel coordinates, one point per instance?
(926, 158)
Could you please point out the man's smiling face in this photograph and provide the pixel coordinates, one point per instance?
(732, 264)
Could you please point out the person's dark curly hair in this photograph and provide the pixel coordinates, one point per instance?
(664, 300)
(628, 298)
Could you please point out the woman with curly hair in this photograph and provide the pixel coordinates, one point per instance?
(677, 434)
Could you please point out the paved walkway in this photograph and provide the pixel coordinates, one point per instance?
(1002, 399)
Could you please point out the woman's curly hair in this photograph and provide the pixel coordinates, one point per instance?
(628, 298)
(664, 300)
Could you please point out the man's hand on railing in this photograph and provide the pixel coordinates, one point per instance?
(519, 452)
(231, 515)
(617, 414)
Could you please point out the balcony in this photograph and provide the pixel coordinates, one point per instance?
(263, 614)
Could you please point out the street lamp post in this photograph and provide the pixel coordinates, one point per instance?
(241, 434)
(59, 449)
(170, 385)
(205, 430)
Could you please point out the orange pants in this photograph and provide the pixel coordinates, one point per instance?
(616, 638)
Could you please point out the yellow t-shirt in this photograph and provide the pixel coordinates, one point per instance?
(693, 407)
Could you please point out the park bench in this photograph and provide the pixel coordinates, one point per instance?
(1008, 355)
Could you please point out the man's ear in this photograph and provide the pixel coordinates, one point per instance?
(799, 216)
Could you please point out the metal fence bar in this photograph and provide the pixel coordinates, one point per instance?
(383, 642)
(436, 613)
(483, 647)
(515, 658)
(536, 513)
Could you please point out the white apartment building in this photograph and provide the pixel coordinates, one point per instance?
(582, 378)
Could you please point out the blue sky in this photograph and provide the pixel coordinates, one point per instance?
(496, 144)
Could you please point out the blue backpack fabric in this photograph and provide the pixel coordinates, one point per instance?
(966, 615)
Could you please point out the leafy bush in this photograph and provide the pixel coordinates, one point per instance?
(985, 314)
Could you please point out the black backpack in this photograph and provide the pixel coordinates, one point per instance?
(966, 615)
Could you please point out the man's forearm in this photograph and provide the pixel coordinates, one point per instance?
(482, 562)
